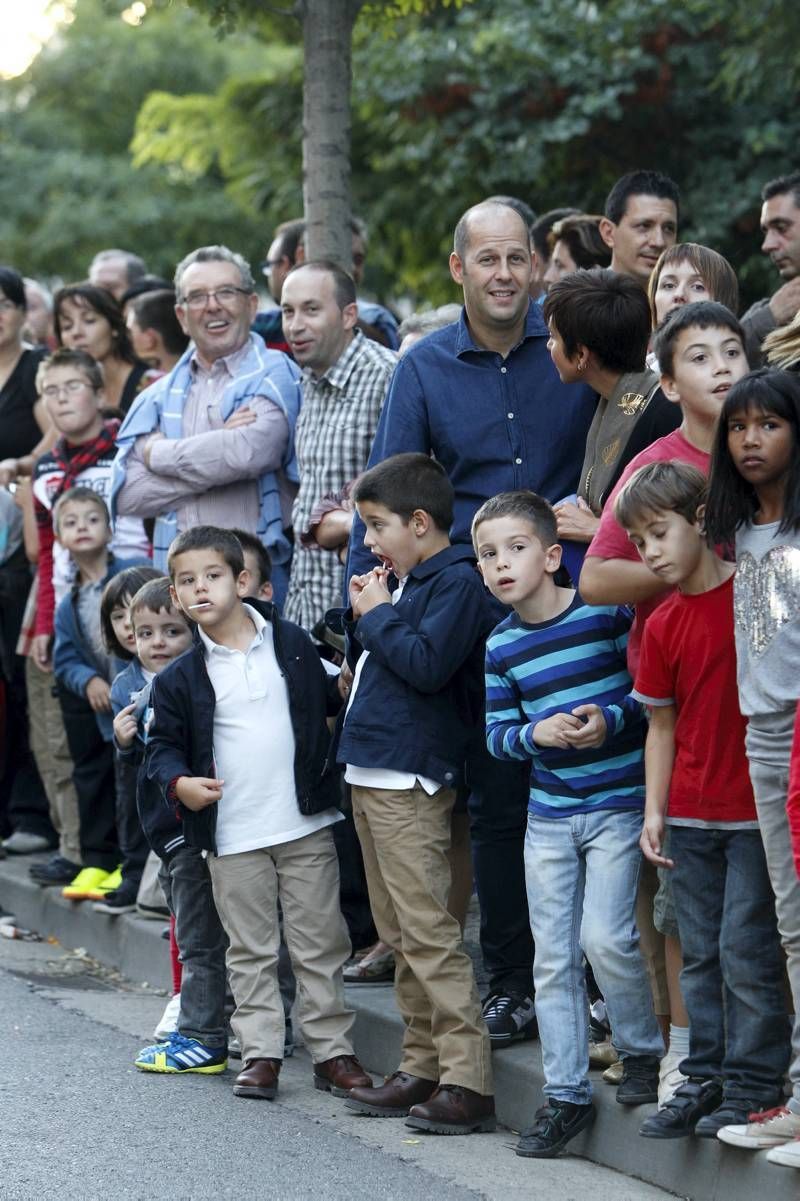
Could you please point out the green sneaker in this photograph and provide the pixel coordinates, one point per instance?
(111, 882)
(86, 884)
(180, 1054)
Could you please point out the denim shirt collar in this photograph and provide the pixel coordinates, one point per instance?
(534, 328)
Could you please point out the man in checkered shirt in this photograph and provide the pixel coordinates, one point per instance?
(345, 379)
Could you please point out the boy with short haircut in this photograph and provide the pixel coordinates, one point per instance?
(200, 1041)
(239, 743)
(83, 671)
(414, 706)
(70, 383)
(257, 564)
(557, 695)
(700, 349)
(732, 979)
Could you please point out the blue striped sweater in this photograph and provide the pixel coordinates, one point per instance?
(534, 671)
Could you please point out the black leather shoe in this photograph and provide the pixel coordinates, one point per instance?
(679, 1116)
(639, 1083)
(556, 1123)
(394, 1098)
(56, 870)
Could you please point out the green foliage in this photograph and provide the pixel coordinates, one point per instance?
(67, 183)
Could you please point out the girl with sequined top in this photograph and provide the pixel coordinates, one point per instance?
(754, 501)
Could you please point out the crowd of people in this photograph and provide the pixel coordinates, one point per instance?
(332, 623)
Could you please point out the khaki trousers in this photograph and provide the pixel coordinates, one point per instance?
(304, 875)
(51, 752)
(405, 837)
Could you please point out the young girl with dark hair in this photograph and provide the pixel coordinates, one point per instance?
(754, 502)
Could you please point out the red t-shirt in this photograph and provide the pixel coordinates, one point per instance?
(793, 801)
(688, 657)
(612, 542)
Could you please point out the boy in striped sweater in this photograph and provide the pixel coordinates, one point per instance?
(557, 693)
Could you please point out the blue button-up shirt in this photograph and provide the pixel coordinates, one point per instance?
(495, 424)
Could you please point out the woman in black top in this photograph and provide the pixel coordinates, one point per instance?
(89, 318)
(22, 417)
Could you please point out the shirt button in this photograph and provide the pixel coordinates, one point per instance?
(510, 416)
(503, 370)
(518, 461)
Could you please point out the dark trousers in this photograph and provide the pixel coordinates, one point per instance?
(732, 978)
(202, 943)
(353, 894)
(133, 846)
(498, 812)
(93, 775)
(22, 795)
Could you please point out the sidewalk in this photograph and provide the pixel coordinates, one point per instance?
(699, 1169)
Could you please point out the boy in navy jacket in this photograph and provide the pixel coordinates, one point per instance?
(415, 702)
(239, 743)
(83, 670)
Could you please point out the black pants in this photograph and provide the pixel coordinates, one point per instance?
(353, 895)
(133, 846)
(498, 811)
(23, 801)
(93, 775)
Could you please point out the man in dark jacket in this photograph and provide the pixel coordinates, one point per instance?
(239, 742)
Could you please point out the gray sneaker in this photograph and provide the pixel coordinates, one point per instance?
(22, 842)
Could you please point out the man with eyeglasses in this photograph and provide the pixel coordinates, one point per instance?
(211, 443)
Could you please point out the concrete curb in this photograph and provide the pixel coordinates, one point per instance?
(698, 1169)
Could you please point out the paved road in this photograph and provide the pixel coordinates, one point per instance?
(79, 1123)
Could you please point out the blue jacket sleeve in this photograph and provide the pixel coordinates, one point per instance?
(69, 665)
(428, 657)
(403, 426)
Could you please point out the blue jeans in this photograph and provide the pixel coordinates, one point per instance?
(732, 978)
(582, 877)
(202, 942)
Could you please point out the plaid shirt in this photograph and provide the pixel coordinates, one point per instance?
(334, 435)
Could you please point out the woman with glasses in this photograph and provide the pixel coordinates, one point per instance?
(89, 318)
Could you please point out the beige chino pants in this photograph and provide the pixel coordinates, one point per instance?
(51, 752)
(405, 837)
(304, 874)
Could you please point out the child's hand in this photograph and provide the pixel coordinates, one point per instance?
(374, 592)
(98, 694)
(198, 792)
(652, 840)
(345, 681)
(125, 726)
(591, 732)
(40, 652)
(356, 586)
(553, 730)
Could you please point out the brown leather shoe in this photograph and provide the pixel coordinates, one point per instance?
(258, 1078)
(394, 1098)
(339, 1075)
(454, 1110)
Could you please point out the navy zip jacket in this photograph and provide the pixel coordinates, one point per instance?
(74, 661)
(181, 737)
(162, 827)
(419, 699)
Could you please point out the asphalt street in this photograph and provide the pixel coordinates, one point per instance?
(79, 1123)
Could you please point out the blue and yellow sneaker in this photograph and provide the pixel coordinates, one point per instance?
(180, 1054)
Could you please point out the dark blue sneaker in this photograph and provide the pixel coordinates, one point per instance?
(509, 1017)
(556, 1123)
(180, 1054)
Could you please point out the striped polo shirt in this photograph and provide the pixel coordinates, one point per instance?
(534, 671)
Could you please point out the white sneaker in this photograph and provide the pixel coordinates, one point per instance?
(169, 1018)
(670, 1078)
(768, 1129)
(787, 1154)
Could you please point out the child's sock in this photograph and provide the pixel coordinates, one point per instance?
(679, 1040)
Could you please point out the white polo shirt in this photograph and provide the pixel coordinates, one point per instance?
(254, 747)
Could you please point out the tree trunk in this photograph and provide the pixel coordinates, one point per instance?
(327, 37)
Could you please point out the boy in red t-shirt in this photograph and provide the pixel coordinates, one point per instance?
(695, 759)
(700, 350)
